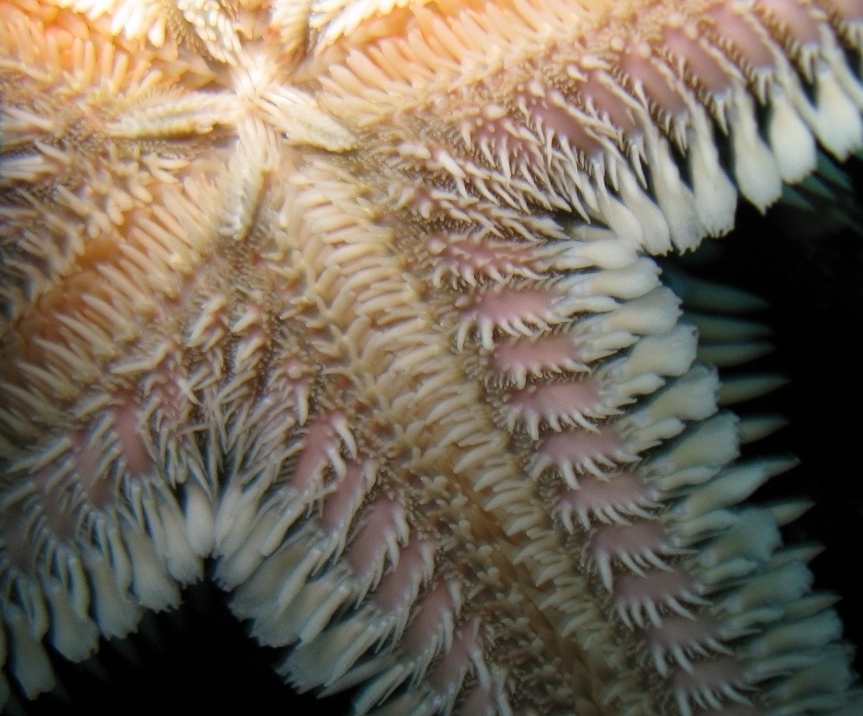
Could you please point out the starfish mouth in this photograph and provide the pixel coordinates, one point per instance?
(356, 309)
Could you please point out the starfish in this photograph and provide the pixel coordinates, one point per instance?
(359, 303)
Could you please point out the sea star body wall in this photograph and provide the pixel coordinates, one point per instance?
(359, 300)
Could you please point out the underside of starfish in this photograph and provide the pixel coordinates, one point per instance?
(361, 301)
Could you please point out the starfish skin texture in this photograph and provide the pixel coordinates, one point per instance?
(359, 301)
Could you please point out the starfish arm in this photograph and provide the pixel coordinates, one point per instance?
(360, 301)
